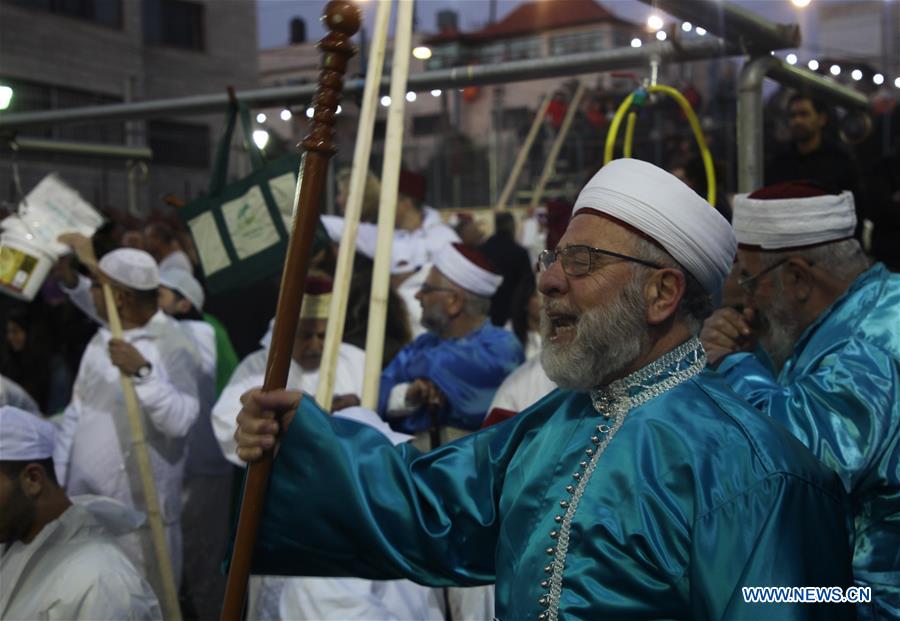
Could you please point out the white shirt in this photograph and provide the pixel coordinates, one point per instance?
(93, 452)
(524, 387)
(205, 458)
(74, 570)
(250, 373)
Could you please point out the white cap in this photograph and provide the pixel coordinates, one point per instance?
(24, 436)
(793, 214)
(672, 214)
(469, 269)
(132, 268)
(184, 283)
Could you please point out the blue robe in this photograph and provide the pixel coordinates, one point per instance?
(839, 393)
(468, 370)
(695, 496)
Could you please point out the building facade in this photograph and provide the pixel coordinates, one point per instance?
(59, 54)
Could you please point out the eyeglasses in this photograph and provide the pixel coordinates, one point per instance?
(749, 283)
(579, 260)
(425, 289)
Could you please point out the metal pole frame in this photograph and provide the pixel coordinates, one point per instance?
(456, 77)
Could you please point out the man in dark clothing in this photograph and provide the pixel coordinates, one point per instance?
(510, 260)
(812, 155)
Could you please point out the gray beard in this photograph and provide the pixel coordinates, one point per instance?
(608, 338)
(435, 320)
(781, 329)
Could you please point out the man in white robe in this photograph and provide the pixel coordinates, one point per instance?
(94, 453)
(272, 597)
(59, 560)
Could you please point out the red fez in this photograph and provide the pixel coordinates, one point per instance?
(413, 185)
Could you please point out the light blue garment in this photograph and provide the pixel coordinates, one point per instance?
(695, 496)
(468, 370)
(839, 393)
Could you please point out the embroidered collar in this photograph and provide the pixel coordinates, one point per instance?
(650, 381)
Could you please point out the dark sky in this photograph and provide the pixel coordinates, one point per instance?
(274, 15)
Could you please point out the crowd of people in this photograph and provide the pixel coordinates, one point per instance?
(636, 408)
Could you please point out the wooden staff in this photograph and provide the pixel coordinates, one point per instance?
(387, 209)
(523, 153)
(166, 579)
(334, 333)
(342, 19)
(550, 164)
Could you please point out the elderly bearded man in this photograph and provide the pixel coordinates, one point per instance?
(440, 386)
(643, 489)
(830, 323)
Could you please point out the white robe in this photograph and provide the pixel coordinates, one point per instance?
(250, 374)
(93, 453)
(73, 569)
(273, 597)
(524, 386)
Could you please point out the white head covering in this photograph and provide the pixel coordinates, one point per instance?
(460, 265)
(133, 268)
(408, 253)
(24, 436)
(793, 214)
(185, 284)
(661, 206)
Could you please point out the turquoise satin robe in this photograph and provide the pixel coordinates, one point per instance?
(468, 370)
(839, 393)
(696, 495)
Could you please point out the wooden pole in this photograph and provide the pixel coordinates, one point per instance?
(166, 579)
(334, 333)
(342, 19)
(550, 164)
(390, 178)
(523, 153)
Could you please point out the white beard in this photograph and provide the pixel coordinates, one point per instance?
(608, 338)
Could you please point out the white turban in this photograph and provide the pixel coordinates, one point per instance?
(184, 283)
(132, 268)
(468, 269)
(24, 436)
(672, 214)
(791, 215)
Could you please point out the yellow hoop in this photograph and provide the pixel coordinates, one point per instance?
(629, 134)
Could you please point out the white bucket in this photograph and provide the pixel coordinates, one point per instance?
(23, 266)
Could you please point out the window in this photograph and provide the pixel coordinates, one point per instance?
(174, 23)
(179, 144)
(105, 12)
(576, 42)
(512, 49)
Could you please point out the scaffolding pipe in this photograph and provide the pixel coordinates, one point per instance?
(456, 77)
(90, 149)
(733, 23)
(750, 109)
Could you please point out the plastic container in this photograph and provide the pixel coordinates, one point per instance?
(23, 266)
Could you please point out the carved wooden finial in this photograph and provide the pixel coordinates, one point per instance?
(343, 20)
